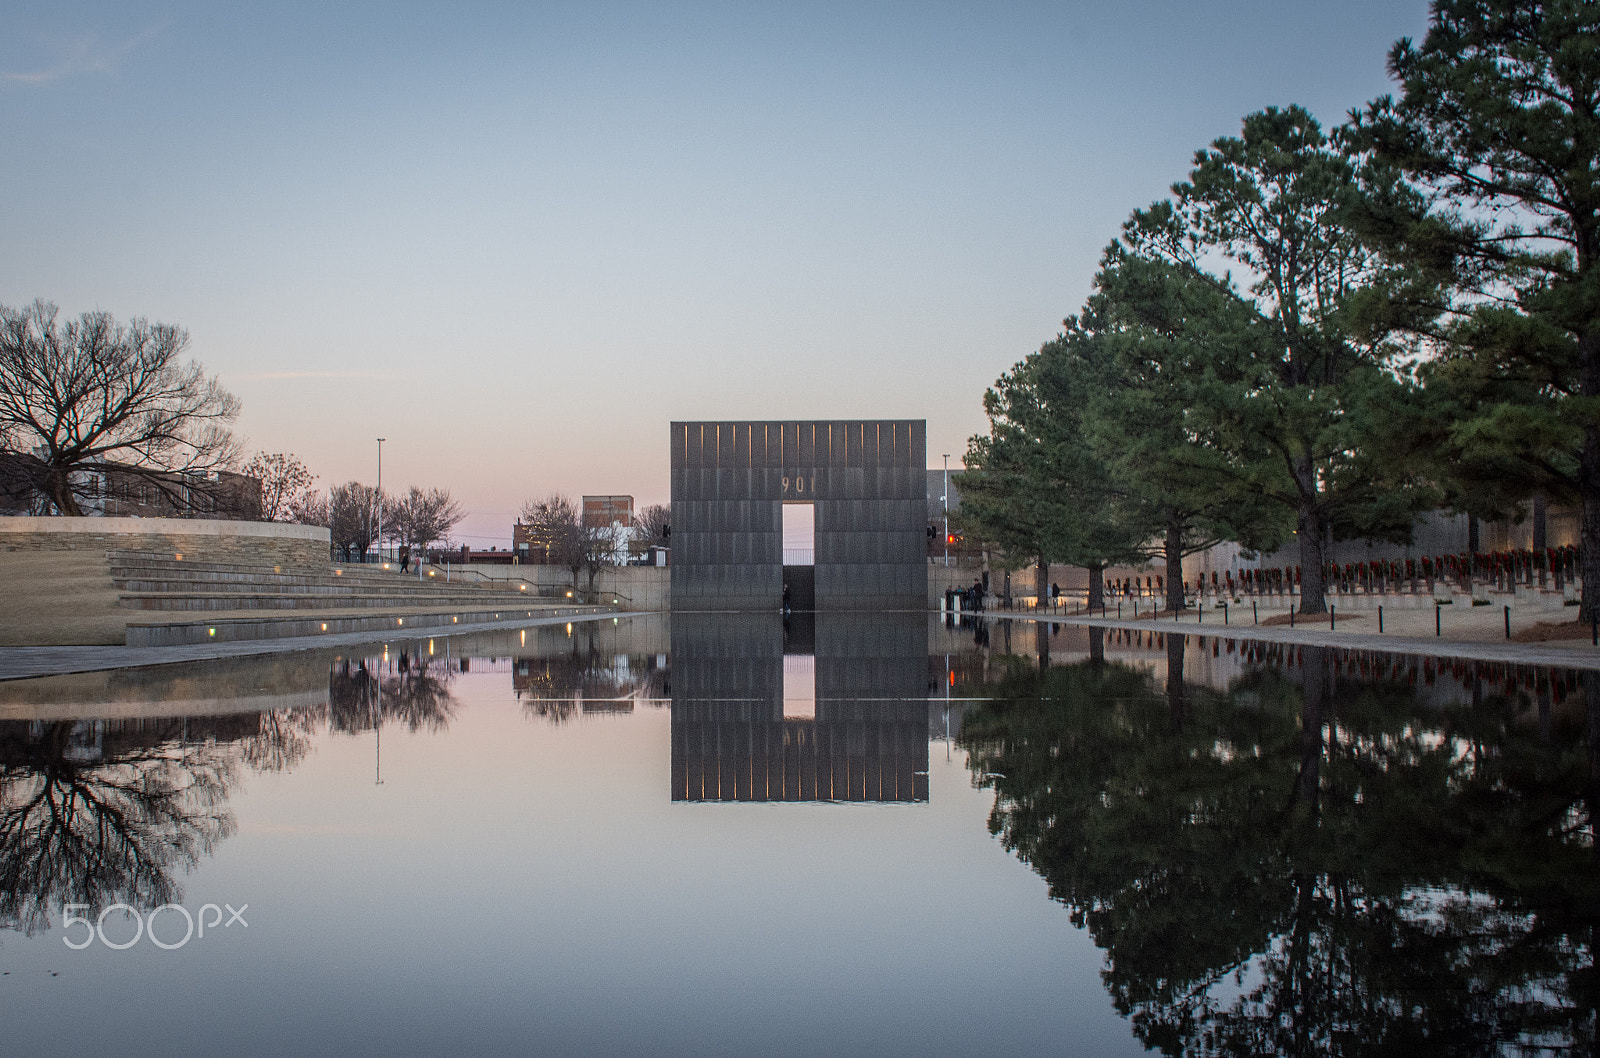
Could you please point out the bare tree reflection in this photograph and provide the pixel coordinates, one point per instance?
(282, 740)
(90, 818)
(589, 677)
(415, 692)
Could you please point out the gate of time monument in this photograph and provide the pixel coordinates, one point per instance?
(867, 484)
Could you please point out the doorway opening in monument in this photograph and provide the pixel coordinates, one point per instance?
(799, 534)
(799, 686)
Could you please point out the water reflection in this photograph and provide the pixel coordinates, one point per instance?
(1308, 862)
(592, 668)
(101, 812)
(867, 739)
(112, 785)
(410, 690)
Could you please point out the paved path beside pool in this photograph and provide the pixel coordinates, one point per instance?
(1465, 631)
(22, 662)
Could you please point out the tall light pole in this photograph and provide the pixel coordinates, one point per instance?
(378, 502)
(945, 502)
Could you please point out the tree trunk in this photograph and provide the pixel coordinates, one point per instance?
(1175, 698)
(1312, 589)
(1314, 669)
(1173, 551)
(1589, 479)
(59, 483)
(1097, 587)
(1041, 582)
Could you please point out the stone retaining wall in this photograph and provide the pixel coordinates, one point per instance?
(250, 543)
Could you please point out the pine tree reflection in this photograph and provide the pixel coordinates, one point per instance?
(1310, 865)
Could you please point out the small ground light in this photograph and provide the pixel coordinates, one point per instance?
(211, 631)
(324, 626)
(399, 620)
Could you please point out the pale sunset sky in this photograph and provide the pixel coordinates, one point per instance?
(517, 240)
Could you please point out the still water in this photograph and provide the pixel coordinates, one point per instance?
(857, 835)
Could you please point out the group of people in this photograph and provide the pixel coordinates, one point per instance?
(971, 599)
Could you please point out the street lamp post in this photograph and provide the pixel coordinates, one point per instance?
(378, 500)
(944, 501)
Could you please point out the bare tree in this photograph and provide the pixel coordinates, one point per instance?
(603, 547)
(353, 518)
(555, 529)
(91, 396)
(419, 518)
(284, 481)
(654, 522)
(311, 508)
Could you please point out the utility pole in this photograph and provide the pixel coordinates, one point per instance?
(378, 503)
(945, 502)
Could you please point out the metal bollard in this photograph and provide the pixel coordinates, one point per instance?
(1438, 621)
(1380, 620)
(1508, 622)
(1331, 618)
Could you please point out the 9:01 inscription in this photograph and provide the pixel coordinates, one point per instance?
(800, 485)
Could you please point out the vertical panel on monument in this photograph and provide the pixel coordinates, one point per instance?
(866, 480)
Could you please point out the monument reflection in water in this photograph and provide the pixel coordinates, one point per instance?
(865, 684)
(1275, 850)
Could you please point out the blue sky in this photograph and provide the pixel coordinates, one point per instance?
(518, 239)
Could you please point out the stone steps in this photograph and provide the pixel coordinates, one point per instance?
(251, 627)
(126, 566)
(327, 601)
(246, 600)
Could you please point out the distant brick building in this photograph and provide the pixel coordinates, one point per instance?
(602, 511)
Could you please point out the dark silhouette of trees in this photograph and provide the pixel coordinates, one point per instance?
(416, 693)
(285, 483)
(353, 510)
(91, 825)
(1305, 864)
(91, 396)
(1493, 137)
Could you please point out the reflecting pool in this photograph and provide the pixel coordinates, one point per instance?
(865, 834)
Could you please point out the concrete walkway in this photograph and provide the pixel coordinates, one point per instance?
(18, 663)
(1465, 631)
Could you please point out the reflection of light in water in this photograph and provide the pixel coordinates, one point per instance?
(800, 686)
